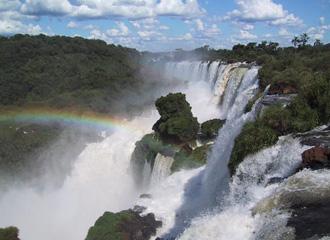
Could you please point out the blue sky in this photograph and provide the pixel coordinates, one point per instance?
(161, 25)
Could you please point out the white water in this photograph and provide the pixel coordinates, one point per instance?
(100, 180)
(234, 220)
(161, 169)
(236, 86)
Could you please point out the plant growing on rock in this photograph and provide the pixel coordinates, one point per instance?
(176, 121)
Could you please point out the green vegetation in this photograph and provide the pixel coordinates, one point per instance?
(124, 225)
(176, 121)
(190, 159)
(20, 143)
(210, 128)
(107, 226)
(65, 72)
(254, 137)
(9, 233)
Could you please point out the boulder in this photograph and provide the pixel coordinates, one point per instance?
(124, 225)
(310, 221)
(316, 158)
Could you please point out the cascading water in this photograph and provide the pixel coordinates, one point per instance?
(100, 180)
(234, 220)
(232, 86)
(161, 169)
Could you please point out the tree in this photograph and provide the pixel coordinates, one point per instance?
(295, 41)
(304, 39)
(317, 43)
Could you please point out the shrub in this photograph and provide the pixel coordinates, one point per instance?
(254, 137)
(176, 121)
(210, 128)
(9, 233)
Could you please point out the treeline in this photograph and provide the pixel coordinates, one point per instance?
(64, 71)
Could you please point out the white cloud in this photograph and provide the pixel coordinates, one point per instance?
(136, 9)
(322, 20)
(186, 37)
(247, 27)
(284, 33)
(262, 10)
(288, 20)
(121, 30)
(72, 24)
(7, 5)
(46, 7)
(199, 24)
(12, 22)
(211, 31)
(11, 26)
(318, 32)
(246, 35)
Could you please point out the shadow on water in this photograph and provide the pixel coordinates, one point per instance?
(196, 202)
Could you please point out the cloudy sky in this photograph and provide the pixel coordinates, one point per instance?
(161, 25)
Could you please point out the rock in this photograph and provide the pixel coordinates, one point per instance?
(316, 158)
(139, 209)
(125, 225)
(282, 88)
(145, 195)
(316, 137)
(9, 233)
(310, 220)
(269, 100)
(274, 180)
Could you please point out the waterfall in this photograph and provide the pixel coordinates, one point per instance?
(161, 169)
(234, 220)
(100, 181)
(232, 86)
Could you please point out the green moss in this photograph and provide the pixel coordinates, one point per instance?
(9, 233)
(188, 160)
(254, 137)
(107, 226)
(210, 128)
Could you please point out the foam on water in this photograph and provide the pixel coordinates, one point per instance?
(234, 220)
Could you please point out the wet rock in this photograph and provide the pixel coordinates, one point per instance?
(145, 195)
(139, 209)
(305, 197)
(274, 180)
(316, 158)
(316, 137)
(268, 100)
(310, 221)
(124, 225)
(282, 88)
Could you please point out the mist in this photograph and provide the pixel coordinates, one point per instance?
(82, 177)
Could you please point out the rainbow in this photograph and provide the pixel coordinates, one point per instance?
(70, 117)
